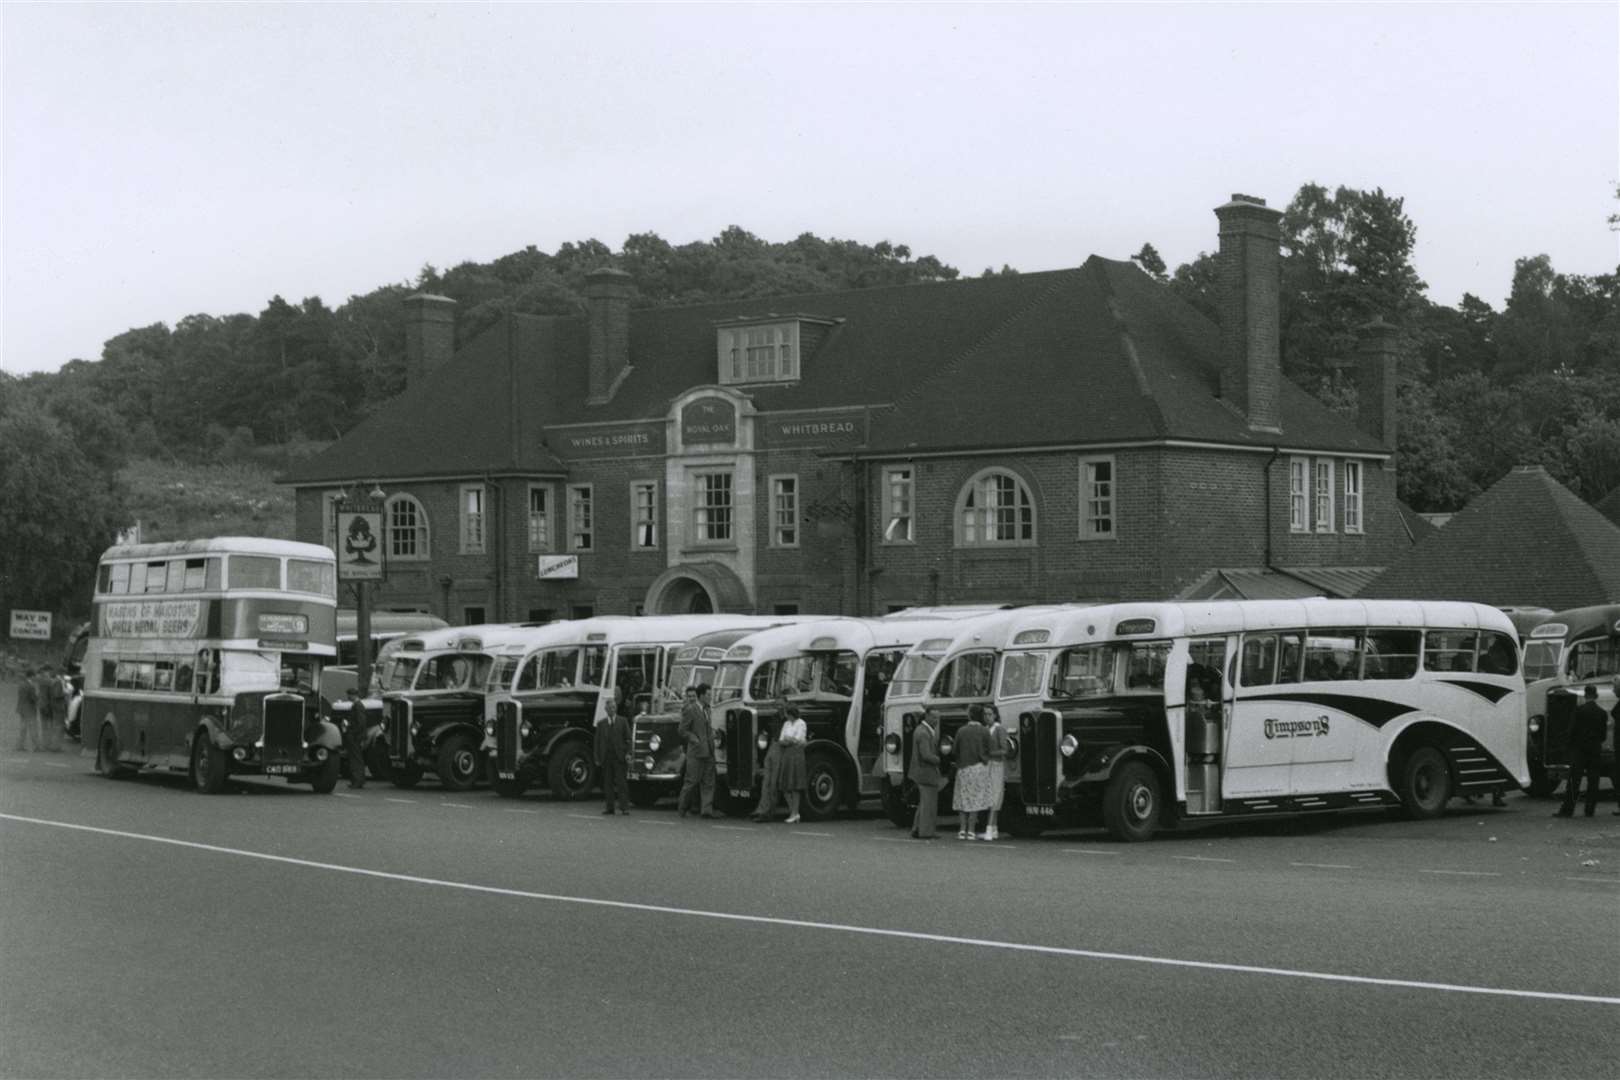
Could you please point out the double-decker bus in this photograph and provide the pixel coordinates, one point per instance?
(1157, 714)
(205, 656)
(837, 672)
(1570, 650)
(540, 720)
(945, 677)
(433, 687)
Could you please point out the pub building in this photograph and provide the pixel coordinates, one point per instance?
(1068, 435)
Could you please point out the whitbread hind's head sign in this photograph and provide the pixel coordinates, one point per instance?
(360, 543)
(559, 566)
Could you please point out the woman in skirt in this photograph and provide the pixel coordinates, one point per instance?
(999, 745)
(972, 791)
(791, 775)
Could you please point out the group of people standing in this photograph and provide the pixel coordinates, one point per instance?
(41, 710)
(1587, 731)
(980, 754)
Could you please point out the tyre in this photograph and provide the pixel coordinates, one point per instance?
(571, 773)
(1131, 802)
(1425, 784)
(326, 773)
(107, 755)
(404, 775)
(506, 789)
(900, 804)
(458, 763)
(207, 765)
(826, 789)
(645, 795)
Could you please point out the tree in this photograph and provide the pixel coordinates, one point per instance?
(1149, 260)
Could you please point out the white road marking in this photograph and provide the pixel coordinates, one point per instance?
(459, 805)
(842, 928)
(647, 821)
(1201, 858)
(1463, 873)
(520, 810)
(345, 795)
(1323, 865)
(407, 802)
(55, 764)
(1086, 851)
(1598, 880)
(578, 817)
(807, 832)
(735, 828)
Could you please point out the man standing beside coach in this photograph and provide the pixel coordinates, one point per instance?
(699, 736)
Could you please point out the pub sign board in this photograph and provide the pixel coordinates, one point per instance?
(825, 428)
(558, 566)
(710, 420)
(33, 625)
(607, 440)
(360, 543)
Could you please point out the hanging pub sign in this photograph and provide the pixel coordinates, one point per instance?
(360, 542)
(711, 420)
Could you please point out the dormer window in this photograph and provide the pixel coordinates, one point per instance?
(764, 352)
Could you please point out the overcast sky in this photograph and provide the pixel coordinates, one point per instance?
(167, 160)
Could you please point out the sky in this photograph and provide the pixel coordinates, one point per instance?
(174, 159)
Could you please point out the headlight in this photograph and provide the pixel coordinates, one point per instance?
(525, 730)
(1068, 746)
(240, 753)
(654, 742)
(945, 746)
(762, 741)
(1535, 724)
(416, 727)
(651, 763)
(891, 743)
(489, 727)
(320, 753)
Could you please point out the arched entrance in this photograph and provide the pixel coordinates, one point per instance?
(697, 589)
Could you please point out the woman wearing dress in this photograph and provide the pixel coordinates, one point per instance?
(972, 754)
(791, 777)
(999, 744)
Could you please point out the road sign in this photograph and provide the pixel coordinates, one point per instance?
(35, 625)
(559, 566)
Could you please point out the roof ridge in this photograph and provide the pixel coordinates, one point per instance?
(1041, 296)
(1126, 343)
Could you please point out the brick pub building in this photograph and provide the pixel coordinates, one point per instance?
(1075, 434)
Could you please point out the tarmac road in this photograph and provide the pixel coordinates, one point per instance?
(148, 931)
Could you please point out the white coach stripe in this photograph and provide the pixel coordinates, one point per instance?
(805, 924)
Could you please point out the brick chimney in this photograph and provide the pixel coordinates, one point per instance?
(1376, 369)
(1250, 280)
(607, 304)
(430, 334)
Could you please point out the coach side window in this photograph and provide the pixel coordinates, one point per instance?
(1449, 650)
(1390, 654)
(1290, 650)
(1259, 665)
(1497, 656)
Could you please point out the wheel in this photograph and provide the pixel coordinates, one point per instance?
(1542, 782)
(1425, 783)
(645, 795)
(825, 786)
(326, 774)
(1131, 802)
(207, 765)
(571, 773)
(506, 789)
(900, 803)
(107, 755)
(458, 763)
(404, 775)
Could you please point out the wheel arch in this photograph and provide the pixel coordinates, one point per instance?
(1427, 731)
(846, 765)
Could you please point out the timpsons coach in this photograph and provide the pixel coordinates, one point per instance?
(1068, 435)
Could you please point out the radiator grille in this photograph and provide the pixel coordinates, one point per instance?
(283, 730)
(740, 749)
(399, 728)
(1038, 758)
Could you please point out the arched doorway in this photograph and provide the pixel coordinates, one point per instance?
(697, 589)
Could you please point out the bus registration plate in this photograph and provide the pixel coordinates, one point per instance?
(280, 770)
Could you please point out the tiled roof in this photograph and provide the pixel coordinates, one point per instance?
(1095, 354)
(1417, 527)
(1528, 540)
(1281, 583)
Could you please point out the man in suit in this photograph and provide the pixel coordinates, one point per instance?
(924, 772)
(1586, 751)
(699, 737)
(354, 736)
(52, 708)
(28, 712)
(612, 744)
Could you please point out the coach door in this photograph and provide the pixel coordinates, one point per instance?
(1207, 698)
(1257, 762)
